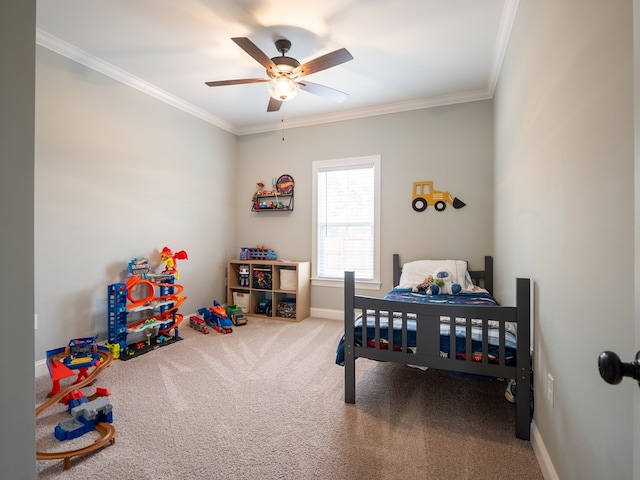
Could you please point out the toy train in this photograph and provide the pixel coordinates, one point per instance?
(198, 324)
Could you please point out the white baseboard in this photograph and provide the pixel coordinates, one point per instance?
(328, 314)
(41, 368)
(548, 472)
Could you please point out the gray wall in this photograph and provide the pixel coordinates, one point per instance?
(451, 145)
(118, 175)
(17, 53)
(564, 186)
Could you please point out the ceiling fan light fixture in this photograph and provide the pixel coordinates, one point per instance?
(285, 64)
(283, 72)
(283, 88)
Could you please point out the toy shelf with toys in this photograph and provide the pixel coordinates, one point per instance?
(270, 288)
(278, 199)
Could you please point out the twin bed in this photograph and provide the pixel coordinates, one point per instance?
(489, 340)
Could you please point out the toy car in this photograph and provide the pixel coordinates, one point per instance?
(264, 307)
(235, 314)
(198, 324)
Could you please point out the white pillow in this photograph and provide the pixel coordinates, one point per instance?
(414, 273)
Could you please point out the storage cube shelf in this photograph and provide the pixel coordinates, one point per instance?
(275, 289)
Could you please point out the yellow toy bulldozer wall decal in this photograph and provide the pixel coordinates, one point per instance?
(424, 195)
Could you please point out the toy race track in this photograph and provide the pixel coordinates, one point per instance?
(159, 336)
(150, 300)
(106, 431)
(154, 297)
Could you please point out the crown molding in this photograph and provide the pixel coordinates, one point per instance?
(371, 111)
(502, 42)
(67, 50)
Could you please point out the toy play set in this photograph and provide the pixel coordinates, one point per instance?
(85, 413)
(143, 311)
(88, 413)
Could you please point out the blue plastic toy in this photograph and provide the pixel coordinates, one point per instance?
(216, 316)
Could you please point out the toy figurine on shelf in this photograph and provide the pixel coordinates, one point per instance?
(169, 258)
(259, 192)
(243, 274)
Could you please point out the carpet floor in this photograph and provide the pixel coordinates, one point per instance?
(267, 402)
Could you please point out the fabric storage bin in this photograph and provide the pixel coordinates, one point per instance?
(241, 299)
(288, 279)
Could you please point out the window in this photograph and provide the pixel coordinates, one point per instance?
(346, 236)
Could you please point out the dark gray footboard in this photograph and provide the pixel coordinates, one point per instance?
(427, 349)
(523, 380)
(349, 332)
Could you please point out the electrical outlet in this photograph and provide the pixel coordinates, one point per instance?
(550, 389)
(35, 321)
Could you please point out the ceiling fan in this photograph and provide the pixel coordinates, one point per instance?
(285, 72)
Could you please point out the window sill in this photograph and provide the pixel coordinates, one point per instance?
(339, 283)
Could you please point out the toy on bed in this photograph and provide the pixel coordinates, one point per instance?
(440, 283)
(425, 285)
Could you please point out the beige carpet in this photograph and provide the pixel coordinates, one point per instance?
(267, 402)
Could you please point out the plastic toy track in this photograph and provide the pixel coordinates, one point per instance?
(107, 436)
(106, 431)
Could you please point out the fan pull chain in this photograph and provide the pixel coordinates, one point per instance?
(282, 123)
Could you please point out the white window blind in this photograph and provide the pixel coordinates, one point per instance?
(346, 230)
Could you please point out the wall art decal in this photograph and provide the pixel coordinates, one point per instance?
(424, 195)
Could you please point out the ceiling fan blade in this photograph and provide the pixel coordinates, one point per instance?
(274, 105)
(236, 82)
(323, 91)
(253, 50)
(323, 62)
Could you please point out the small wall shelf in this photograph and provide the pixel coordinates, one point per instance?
(282, 202)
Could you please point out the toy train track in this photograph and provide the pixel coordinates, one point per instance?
(107, 434)
(106, 431)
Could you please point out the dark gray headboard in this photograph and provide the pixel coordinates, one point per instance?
(482, 278)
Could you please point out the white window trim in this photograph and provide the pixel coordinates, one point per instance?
(318, 165)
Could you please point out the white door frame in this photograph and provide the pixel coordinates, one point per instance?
(636, 130)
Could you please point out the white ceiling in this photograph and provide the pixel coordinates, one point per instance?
(408, 54)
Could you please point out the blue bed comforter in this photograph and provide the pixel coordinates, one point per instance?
(405, 295)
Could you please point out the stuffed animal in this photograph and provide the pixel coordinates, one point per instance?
(424, 285)
(443, 285)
